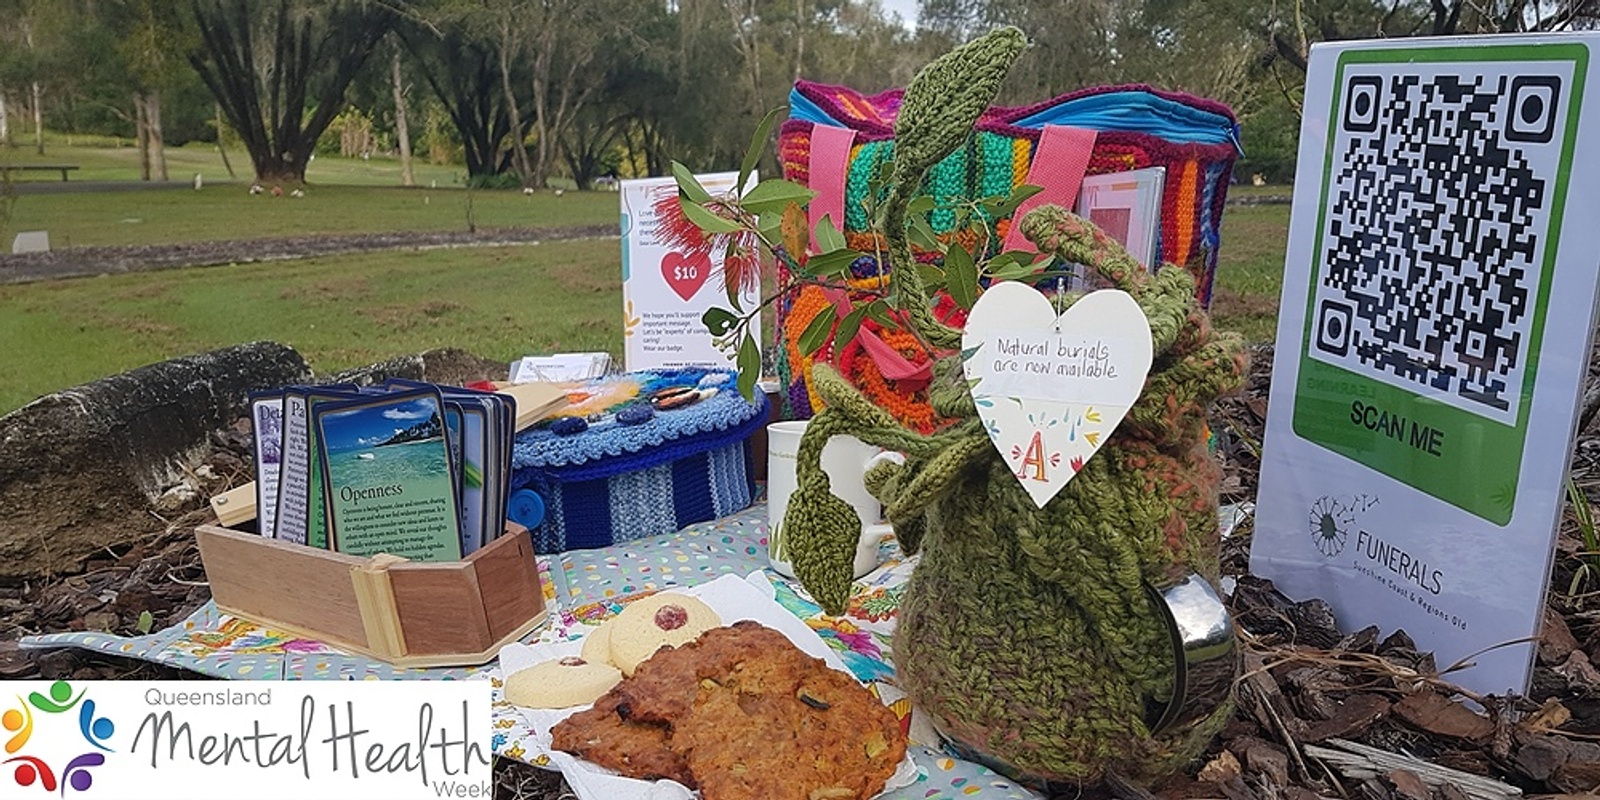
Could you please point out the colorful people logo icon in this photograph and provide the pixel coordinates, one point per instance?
(31, 770)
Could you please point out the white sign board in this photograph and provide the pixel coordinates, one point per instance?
(665, 292)
(1438, 299)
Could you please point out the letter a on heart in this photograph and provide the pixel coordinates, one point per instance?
(1079, 374)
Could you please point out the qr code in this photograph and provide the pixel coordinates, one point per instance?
(1440, 189)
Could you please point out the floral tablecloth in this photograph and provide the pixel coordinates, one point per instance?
(582, 588)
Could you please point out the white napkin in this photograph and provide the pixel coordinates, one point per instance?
(734, 599)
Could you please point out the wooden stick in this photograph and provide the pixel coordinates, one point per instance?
(1361, 761)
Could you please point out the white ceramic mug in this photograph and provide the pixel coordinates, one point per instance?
(846, 460)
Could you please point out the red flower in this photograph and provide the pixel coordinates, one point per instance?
(741, 249)
(1077, 464)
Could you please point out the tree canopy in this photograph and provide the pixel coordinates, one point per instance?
(519, 91)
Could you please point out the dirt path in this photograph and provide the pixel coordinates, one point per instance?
(80, 262)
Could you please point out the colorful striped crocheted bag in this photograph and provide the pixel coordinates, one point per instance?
(836, 138)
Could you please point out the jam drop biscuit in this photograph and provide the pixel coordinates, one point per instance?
(661, 620)
(560, 683)
(597, 645)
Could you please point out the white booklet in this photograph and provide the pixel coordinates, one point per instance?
(561, 367)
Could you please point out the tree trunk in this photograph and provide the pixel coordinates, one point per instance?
(541, 119)
(222, 151)
(5, 120)
(38, 118)
(400, 128)
(519, 149)
(799, 37)
(141, 134)
(158, 148)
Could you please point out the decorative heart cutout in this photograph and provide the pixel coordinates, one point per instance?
(1050, 390)
(686, 273)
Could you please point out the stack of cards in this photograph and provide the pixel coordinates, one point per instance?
(407, 468)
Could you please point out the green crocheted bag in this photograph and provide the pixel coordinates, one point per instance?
(1027, 634)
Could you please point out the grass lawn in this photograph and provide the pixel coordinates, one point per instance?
(340, 312)
(1250, 270)
(348, 311)
(102, 158)
(231, 212)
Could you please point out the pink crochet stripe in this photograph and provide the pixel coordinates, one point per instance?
(1058, 167)
(830, 162)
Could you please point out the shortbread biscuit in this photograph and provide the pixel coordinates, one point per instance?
(667, 619)
(560, 683)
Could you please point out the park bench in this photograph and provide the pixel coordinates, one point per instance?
(61, 168)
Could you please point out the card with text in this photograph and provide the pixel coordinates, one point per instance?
(387, 465)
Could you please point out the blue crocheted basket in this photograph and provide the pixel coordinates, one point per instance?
(615, 482)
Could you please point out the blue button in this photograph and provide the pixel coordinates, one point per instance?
(526, 508)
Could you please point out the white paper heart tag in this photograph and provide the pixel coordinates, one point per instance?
(1051, 389)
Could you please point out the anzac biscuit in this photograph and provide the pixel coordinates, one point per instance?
(601, 736)
(785, 728)
(742, 713)
(664, 687)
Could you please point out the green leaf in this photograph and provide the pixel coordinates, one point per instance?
(1012, 272)
(816, 333)
(922, 234)
(732, 287)
(850, 324)
(688, 185)
(1018, 196)
(758, 143)
(828, 237)
(961, 276)
(834, 264)
(774, 195)
(472, 475)
(878, 311)
(770, 226)
(932, 276)
(146, 622)
(921, 204)
(749, 367)
(1011, 265)
(968, 353)
(719, 321)
(705, 220)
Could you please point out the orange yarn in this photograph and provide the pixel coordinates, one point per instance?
(1186, 205)
(807, 304)
(910, 408)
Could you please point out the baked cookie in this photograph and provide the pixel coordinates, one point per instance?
(639, 750)
(667, 619)
(560, 683)
(597, 645)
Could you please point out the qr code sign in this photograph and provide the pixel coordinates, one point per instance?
(1439, 200)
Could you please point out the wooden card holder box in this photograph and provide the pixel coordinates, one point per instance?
(409, 614)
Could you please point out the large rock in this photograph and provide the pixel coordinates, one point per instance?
(445, 366)
(80, 469)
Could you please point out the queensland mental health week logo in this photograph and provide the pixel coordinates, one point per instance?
(41, 718)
